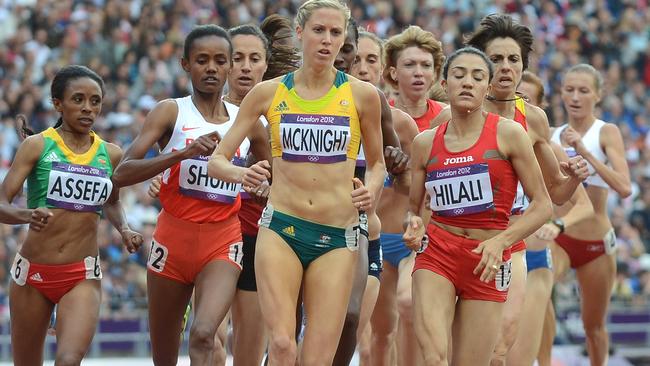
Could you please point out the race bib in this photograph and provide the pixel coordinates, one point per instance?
(314, 138)
(460, 190)
(521, 201)
(19, 270)
(195, 182)
(503, 277)
(609, 241)
(93, 269)
(157, 257)
(77, 187)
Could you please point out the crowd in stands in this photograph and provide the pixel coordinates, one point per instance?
(136, 45)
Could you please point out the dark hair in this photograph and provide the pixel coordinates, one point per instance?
(354, 29)
(65, 76)
(502, 26)
(283, 59)
(204, 31)
(471, 51)
(24, 126)
(529, 77)
(251, 30)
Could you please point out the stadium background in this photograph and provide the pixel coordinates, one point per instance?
(136, 45)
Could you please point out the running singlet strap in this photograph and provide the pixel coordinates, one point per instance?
(322, 131)
(473, 188)
(63, 179)
(424, 121)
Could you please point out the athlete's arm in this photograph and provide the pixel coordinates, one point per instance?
(560, 187)
(514, 143)
(369, 110)
(158, 124)
(387, 127)
(260, 145)
(406, 129)
(582, 208)
(26, 158)
(413, 223)
(113, 208)
(618, 176)
(254, 105)
(443, 116)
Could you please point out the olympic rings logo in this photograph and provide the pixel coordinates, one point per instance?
(212, 196)
(313, 158)
(459, 211)
(78, 206)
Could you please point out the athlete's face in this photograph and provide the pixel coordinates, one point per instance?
(209, 63)
(345, 57)
(414, 72)
(530, 92)
(367, 65)
(467, 82)
(248, 63)
(505, 54)
(322, 36)
(81, 104)
(579, 94)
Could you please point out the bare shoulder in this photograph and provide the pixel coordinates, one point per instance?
(537, 121)
(508, 128)
(359, 86)
(402, 119)
(114, 151)
(442, 117)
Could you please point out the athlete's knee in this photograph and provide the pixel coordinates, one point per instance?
(405, 306)
(595, 330)
(436, 359)
(202, 336)
(498, 360)
(383, 338)
(69, 358)
(283, 346)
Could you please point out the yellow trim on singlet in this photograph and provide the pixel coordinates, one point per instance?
(74, 158)
(338, 101)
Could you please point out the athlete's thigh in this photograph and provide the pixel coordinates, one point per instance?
(167, 302)
(214, 289)
(405, 279)
(279, 277)
(596, 280)
(516, 290)
(249, 340)
(368, 303)
(384, 316)
(561, 262)
(434, 299)
(326, 294)
(76, 317)
(30, 315)
(360, 276)
(473, 345)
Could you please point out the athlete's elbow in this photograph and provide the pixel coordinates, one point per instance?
(119, 177)
(625, 191)
(545, 208)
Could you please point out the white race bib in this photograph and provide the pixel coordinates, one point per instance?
(78, 187)
(314, 138)
(194, 181)
(460, 190)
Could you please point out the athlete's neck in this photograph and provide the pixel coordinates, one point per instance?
(465, 122)
(414, 107)
(505, 109)
(582, 125)
(210, 106)
(315, 78)
(77, 142)
(233, 98)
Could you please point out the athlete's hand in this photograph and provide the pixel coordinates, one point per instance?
(39, 218)
(361, 197)
(573, 138)
(491, 254)
(204, 145)
(255, 175)
(154, 186)
(132, 240)
(261, 193)
(413, 232)
(576, 167)
(396, 160)
(548, 231)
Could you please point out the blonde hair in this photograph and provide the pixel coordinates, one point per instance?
(307, 9)
(413, 36)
